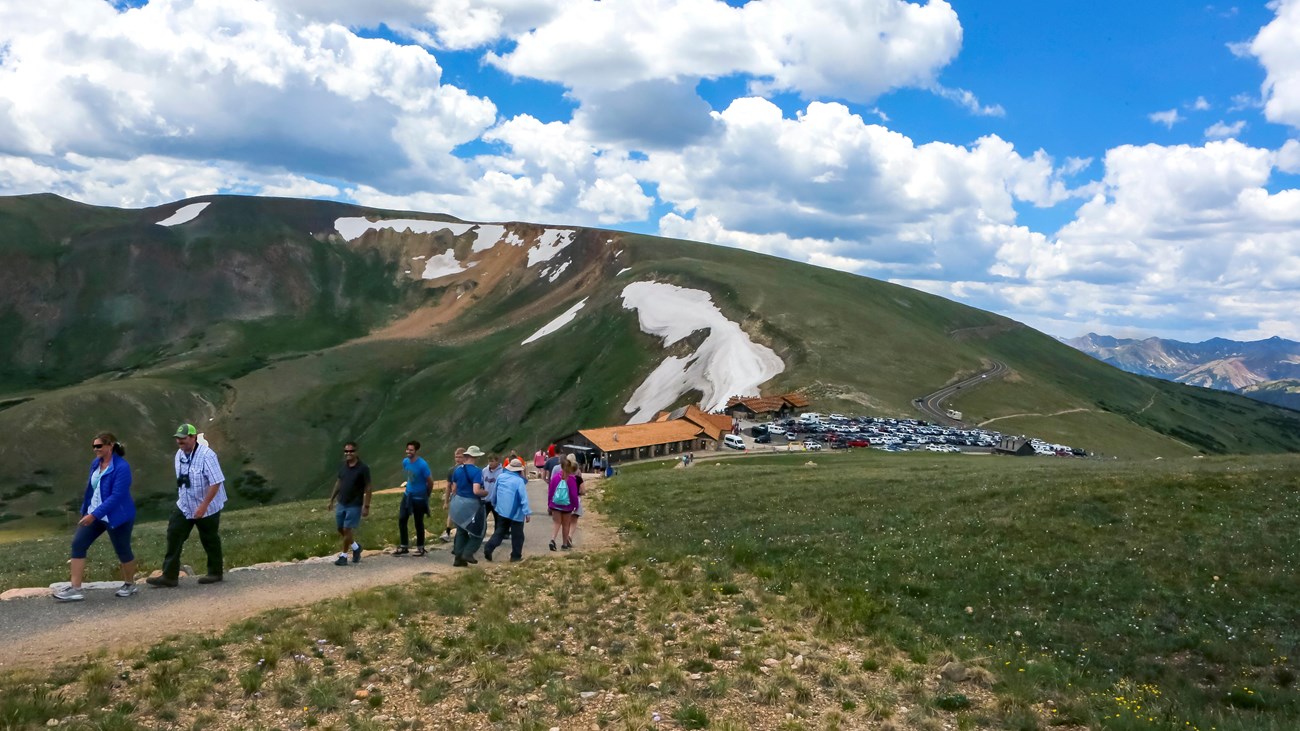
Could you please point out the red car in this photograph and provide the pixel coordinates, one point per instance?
(859, 442)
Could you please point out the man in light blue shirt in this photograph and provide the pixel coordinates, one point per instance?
(512, 511)
(415, 501)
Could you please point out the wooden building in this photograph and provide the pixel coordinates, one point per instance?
(639, 441)
(766, 407)
(714, 425)
(1014, 446)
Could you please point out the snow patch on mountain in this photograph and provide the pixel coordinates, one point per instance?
(444, 265)
(553, 273)
(551, 242)
(352, 228)
(184, 214)
(557, 323)
(728, 363)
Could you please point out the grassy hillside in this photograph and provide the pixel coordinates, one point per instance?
(259, 322)
(1124, 595)
(1284, 393)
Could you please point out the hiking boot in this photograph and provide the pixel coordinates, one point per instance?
(210, 578)
(341, 561)
(516, 559)
(401, 551)
(162, 581)
(356, 554)
(469, 559)
(69, 594)
(126, 590)
(459, 562)
(487, 553)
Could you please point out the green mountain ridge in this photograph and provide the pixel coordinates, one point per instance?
(263, 324)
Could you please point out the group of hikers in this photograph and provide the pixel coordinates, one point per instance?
(470, 496)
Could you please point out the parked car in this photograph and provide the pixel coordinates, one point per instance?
(858, 442)
(776, 429)
(763, 438)
(812, 446)
(734, 441)
(758, 430)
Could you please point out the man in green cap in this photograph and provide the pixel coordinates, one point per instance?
(466, 508)
(201, 489)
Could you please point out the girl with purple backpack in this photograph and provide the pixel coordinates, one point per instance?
(562, 500)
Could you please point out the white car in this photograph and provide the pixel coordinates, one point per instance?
(812, 446)
(774, 429)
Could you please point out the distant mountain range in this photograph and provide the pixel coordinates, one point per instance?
(1265, 370)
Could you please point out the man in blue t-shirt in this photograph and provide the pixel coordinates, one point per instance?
(466, 508)
(415, 501)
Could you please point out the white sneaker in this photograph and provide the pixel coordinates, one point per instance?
(69, 594)
(126, 590)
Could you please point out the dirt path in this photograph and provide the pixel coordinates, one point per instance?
(1012, 416)
(39, 632)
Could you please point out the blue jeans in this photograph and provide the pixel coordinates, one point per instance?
(120, 536)
(507, 527)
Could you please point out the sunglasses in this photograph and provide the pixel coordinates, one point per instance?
(97, 445)
(349, 451)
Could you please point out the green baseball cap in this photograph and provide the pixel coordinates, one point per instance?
(185, 430)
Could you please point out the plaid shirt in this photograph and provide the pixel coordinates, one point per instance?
(204, 471)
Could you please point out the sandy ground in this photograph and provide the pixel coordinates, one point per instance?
(39, 632)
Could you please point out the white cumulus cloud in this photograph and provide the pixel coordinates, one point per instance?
(1277, 47)
(851, 49)
(833, 189)
(228, 83)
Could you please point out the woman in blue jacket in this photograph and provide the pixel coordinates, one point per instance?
(107, 506)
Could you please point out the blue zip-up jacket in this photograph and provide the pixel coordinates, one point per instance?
(512, 496)
(116, 505)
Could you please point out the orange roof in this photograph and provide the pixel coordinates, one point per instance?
(632, 436)
(767, 404)
(713, 424)
(760, 404)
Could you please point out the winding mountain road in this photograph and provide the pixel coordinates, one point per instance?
(931, 406)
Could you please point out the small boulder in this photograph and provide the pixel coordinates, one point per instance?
(954, 671)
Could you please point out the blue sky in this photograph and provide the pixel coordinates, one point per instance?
(1125, 168)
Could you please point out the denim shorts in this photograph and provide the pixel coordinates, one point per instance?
(347, 516)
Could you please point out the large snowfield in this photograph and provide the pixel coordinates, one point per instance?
(728, 363)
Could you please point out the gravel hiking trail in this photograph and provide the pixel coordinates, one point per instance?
(39, 632)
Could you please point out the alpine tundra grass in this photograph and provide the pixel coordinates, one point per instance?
(1128, 594)
(867, 590)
